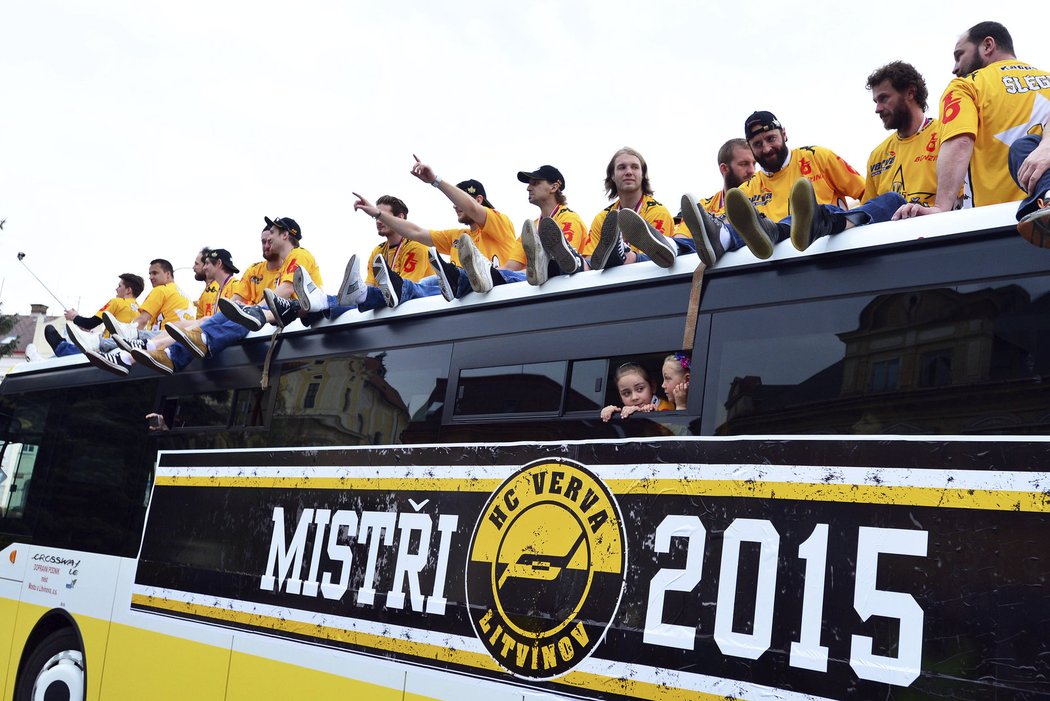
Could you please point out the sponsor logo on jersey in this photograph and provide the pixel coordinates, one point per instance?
(931, 145)
(884, 165)
(950, 107)
(546, 568)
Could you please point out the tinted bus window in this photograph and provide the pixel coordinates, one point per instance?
(936, 361)
(360, 399)
(78, 470)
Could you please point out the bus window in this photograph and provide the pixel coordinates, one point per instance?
(527, 388)
(360, 399)
(587, 382)
(79, 472)
(934, 361)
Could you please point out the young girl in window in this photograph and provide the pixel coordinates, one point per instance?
(638, 392)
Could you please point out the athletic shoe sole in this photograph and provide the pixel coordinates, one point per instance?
(186, 341)
(638, 232)
(386, 287)
(1035, 228)
(608, 241)
(308, 294)
(352, 290)
(112, 325)
(536, 258)
(803, 209)
(477, 267)
(235, 313)
(697, 225)
(558, 247)
(438, 266)
(150, 361)
(744, 218)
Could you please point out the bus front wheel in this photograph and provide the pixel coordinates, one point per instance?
(55, 670)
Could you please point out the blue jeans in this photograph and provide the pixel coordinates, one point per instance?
(222, 333)
(1019, 151)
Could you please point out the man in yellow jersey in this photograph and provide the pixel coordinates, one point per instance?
(906, 162)
(993, 115)
(165, 303)
(124, 307)
(635, 217)
(282, 254)
(813, 179)
(205, 304)
(705, 220)
(217, 271)
(489, 234)
(408, 259)
(554, 242)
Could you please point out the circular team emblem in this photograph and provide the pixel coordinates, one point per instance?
(546, 569)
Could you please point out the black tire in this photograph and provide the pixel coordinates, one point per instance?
(58, 663)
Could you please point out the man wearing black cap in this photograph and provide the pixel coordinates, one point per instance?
(489, 235)
(813, 179)
(555, 241)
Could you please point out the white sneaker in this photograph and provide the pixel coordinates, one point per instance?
(477, 267)
(352, 292)
(311, 297)
(32, 354)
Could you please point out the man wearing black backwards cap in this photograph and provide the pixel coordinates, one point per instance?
(268, 280)
(804, 177)
(553, 242)
(489, 234)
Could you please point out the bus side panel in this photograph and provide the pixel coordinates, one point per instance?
(8, 612)
(308, 673)
(144, 664)
(179, 660)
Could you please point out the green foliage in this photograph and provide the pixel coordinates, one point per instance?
(7, 322)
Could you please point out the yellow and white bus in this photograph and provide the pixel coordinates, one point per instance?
(423, 503)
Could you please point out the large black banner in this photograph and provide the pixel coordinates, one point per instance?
(754, 569)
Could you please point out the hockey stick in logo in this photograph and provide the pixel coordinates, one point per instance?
(543, 567)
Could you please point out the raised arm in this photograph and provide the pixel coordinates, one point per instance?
(410, 231)
(463, 201)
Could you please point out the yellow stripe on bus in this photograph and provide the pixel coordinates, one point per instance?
(420, 484)
(582, 680)
(980, 499)
(369, 640)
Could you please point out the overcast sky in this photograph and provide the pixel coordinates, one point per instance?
(137, 130)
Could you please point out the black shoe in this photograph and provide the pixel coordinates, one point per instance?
(757, 230)
(53, 337)
(250, 317)
(706, 231)
(284, 311)
(610, 251)
(129, 344)
(810, 221)
(388, 282)
(559, 249)
(642, 235)
(447, 274)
